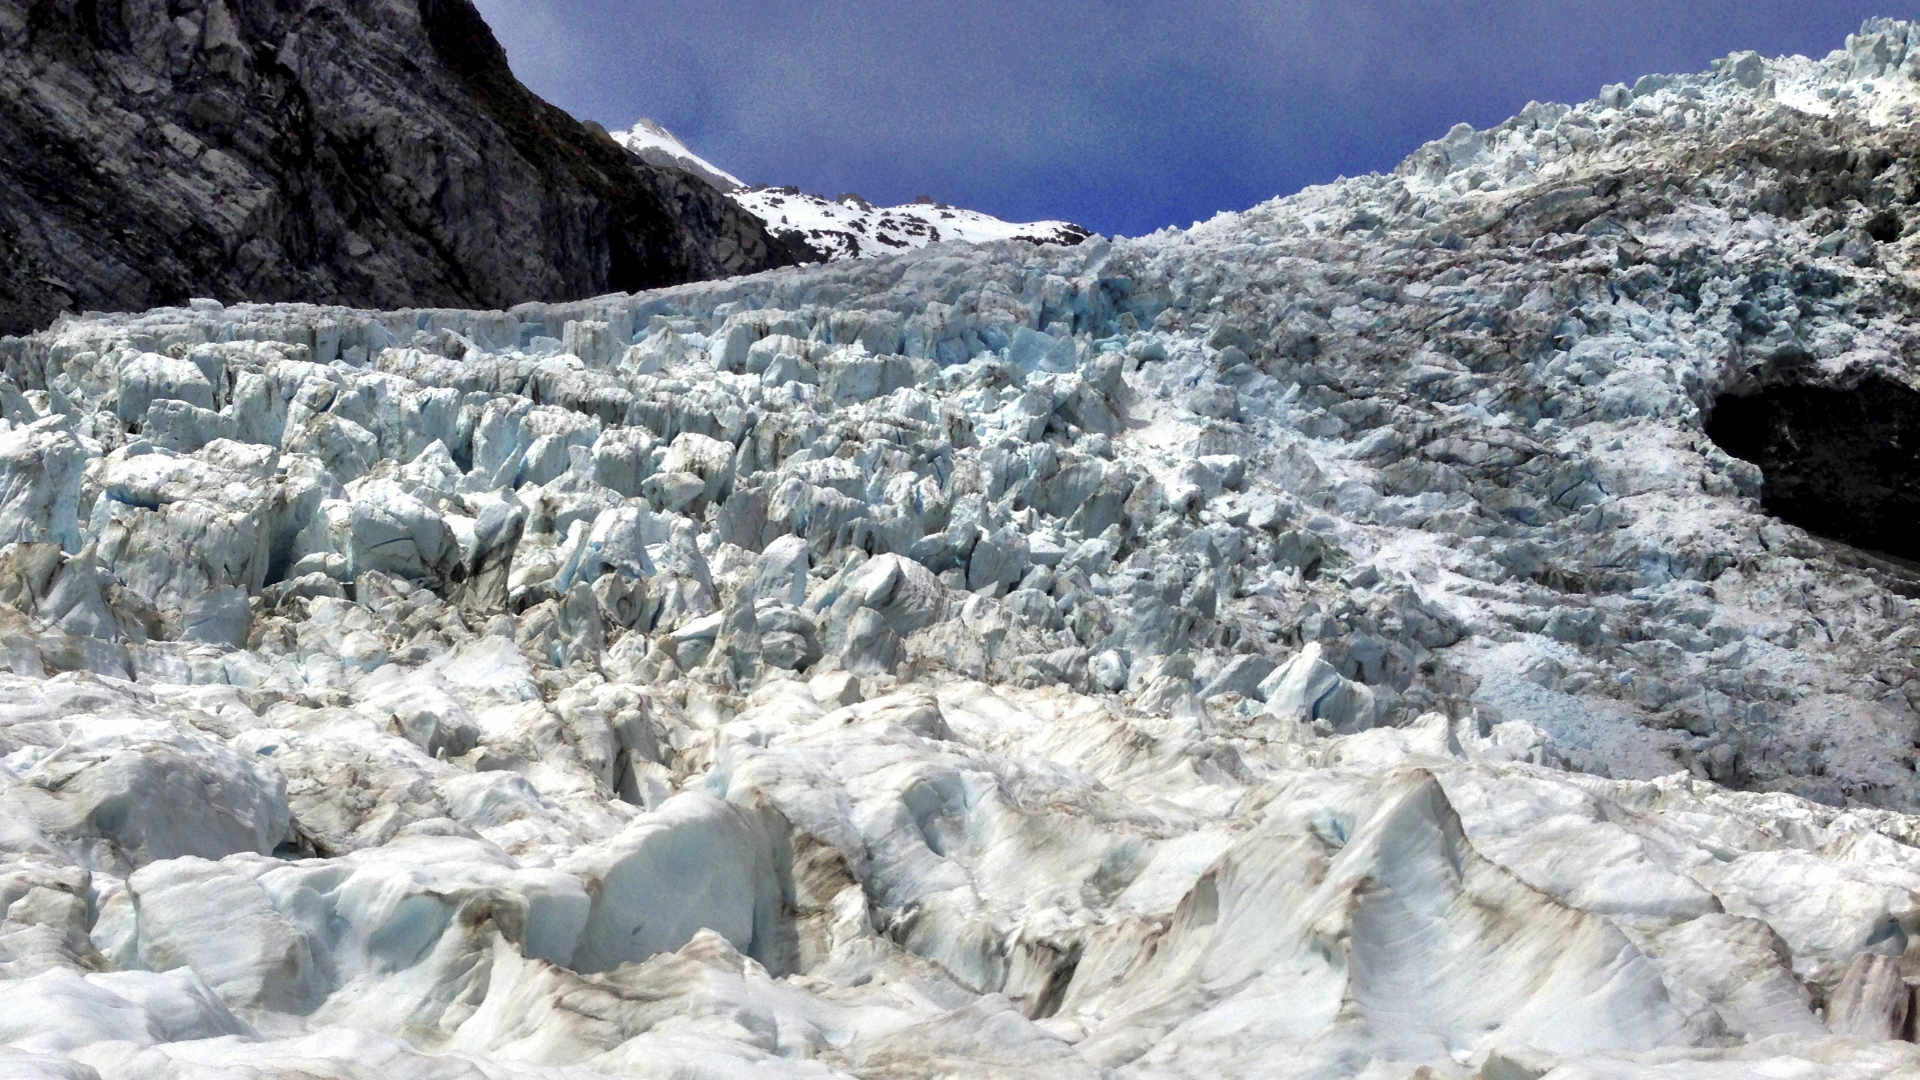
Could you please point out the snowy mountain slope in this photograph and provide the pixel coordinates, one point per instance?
(1326, 642)
(852, 228)
(848, 227)
(658, 146)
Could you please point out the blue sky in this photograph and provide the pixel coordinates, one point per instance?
(1123, 115)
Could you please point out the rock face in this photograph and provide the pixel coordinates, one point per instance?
(1841, 456)
(1326, 642)
(373, 152)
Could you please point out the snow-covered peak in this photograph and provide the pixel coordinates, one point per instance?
(658, 146)
(851, 228)
(1373, 634)
(848, 227)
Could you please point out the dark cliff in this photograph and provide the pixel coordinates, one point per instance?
(377, 153)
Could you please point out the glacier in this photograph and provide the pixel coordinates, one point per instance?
(1327, 641)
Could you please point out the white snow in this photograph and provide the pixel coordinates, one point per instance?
(847, 227)
(653, 142)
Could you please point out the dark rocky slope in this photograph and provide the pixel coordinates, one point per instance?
(366, 152)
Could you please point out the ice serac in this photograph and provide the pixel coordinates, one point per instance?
(1395, 631)
(375, 152)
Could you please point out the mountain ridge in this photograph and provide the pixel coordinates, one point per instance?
(375, 152)
(846, 227)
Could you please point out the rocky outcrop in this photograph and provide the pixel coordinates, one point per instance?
(371, 152)
(1841, 456)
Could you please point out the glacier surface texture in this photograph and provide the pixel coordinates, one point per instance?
(1333, 640)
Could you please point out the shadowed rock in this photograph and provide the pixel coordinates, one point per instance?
(372, 152)
(1841, 462)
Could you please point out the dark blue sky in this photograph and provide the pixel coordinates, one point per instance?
(1123, 115)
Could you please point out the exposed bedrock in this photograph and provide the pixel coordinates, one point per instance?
(1839, 461)
(371, 152)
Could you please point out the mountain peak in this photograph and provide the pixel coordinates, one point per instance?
(847, 226)
(651, 140)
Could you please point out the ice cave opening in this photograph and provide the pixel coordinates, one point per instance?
(1840, 462)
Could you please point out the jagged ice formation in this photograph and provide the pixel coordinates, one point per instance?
(1324, 642)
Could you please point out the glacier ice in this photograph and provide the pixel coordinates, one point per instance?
(1321, 642)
